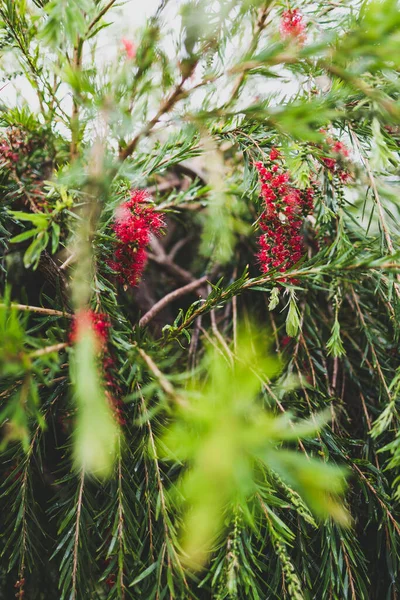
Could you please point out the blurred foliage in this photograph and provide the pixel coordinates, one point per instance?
(224, 436)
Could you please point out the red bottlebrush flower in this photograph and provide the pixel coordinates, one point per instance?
(274, 154)
(129, 47)
(87, 319)
(281, 244)
(340, 148)
(330, 163)
(7, 152)
(110, 581)
(293, 26)
(134, 221)
(337, 165)
(99, 323)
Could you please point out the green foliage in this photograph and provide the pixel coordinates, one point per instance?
(189, 459)
(222, 434)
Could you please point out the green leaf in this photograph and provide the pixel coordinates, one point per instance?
(25, 235)
(55, 237)
(38, 219)
(274, 298)
(144, 574)
(335, 345)
(33, 253)
(293, 317)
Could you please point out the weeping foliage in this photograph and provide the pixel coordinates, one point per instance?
(218, 432)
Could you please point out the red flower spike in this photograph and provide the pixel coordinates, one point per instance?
(336, 165)
(293, 26)
(274, 154)
(87, 319)
(135, 220)
(99, 323)
(281, 244)
(129, 47)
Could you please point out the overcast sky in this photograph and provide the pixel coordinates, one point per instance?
(126, 20)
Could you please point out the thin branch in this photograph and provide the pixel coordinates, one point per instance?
(381, 213)
(163, 504)
(374, 354)
(163, 381)
(71, 258)
(177, 94)
(120, 523)
(38, 309)
(186, 289)
(247, 285)
(258, 28)
(162, 258)
(217, 333)
(373, 490)
(48, 350)
(100, 15)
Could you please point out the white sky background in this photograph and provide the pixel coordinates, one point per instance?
(125, 21)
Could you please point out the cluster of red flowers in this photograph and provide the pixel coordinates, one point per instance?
(15, 145)
(135, 220)
(100, 324)
(281, 245)
(293, 26)
(7, 152)
(87, 319)
(337, 165)
(24, 157)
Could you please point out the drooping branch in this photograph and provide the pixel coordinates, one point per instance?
(186, 289)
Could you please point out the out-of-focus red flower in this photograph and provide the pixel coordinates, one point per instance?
(129, 47)
(339, 164)
(99, 324)
(85, 320)
(293, 26)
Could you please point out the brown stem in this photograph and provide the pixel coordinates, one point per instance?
(121, 522)
(162, 258)
(373, 351)
(48, 350)
(270, 278)
(378, 203)
(40, 310)
(258, 28)
(163, 381)
(100, 15)
(165, 107)
(186, 289)
(76, 538)
(163, 503)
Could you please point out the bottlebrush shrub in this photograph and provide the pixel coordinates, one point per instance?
(225, 424)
